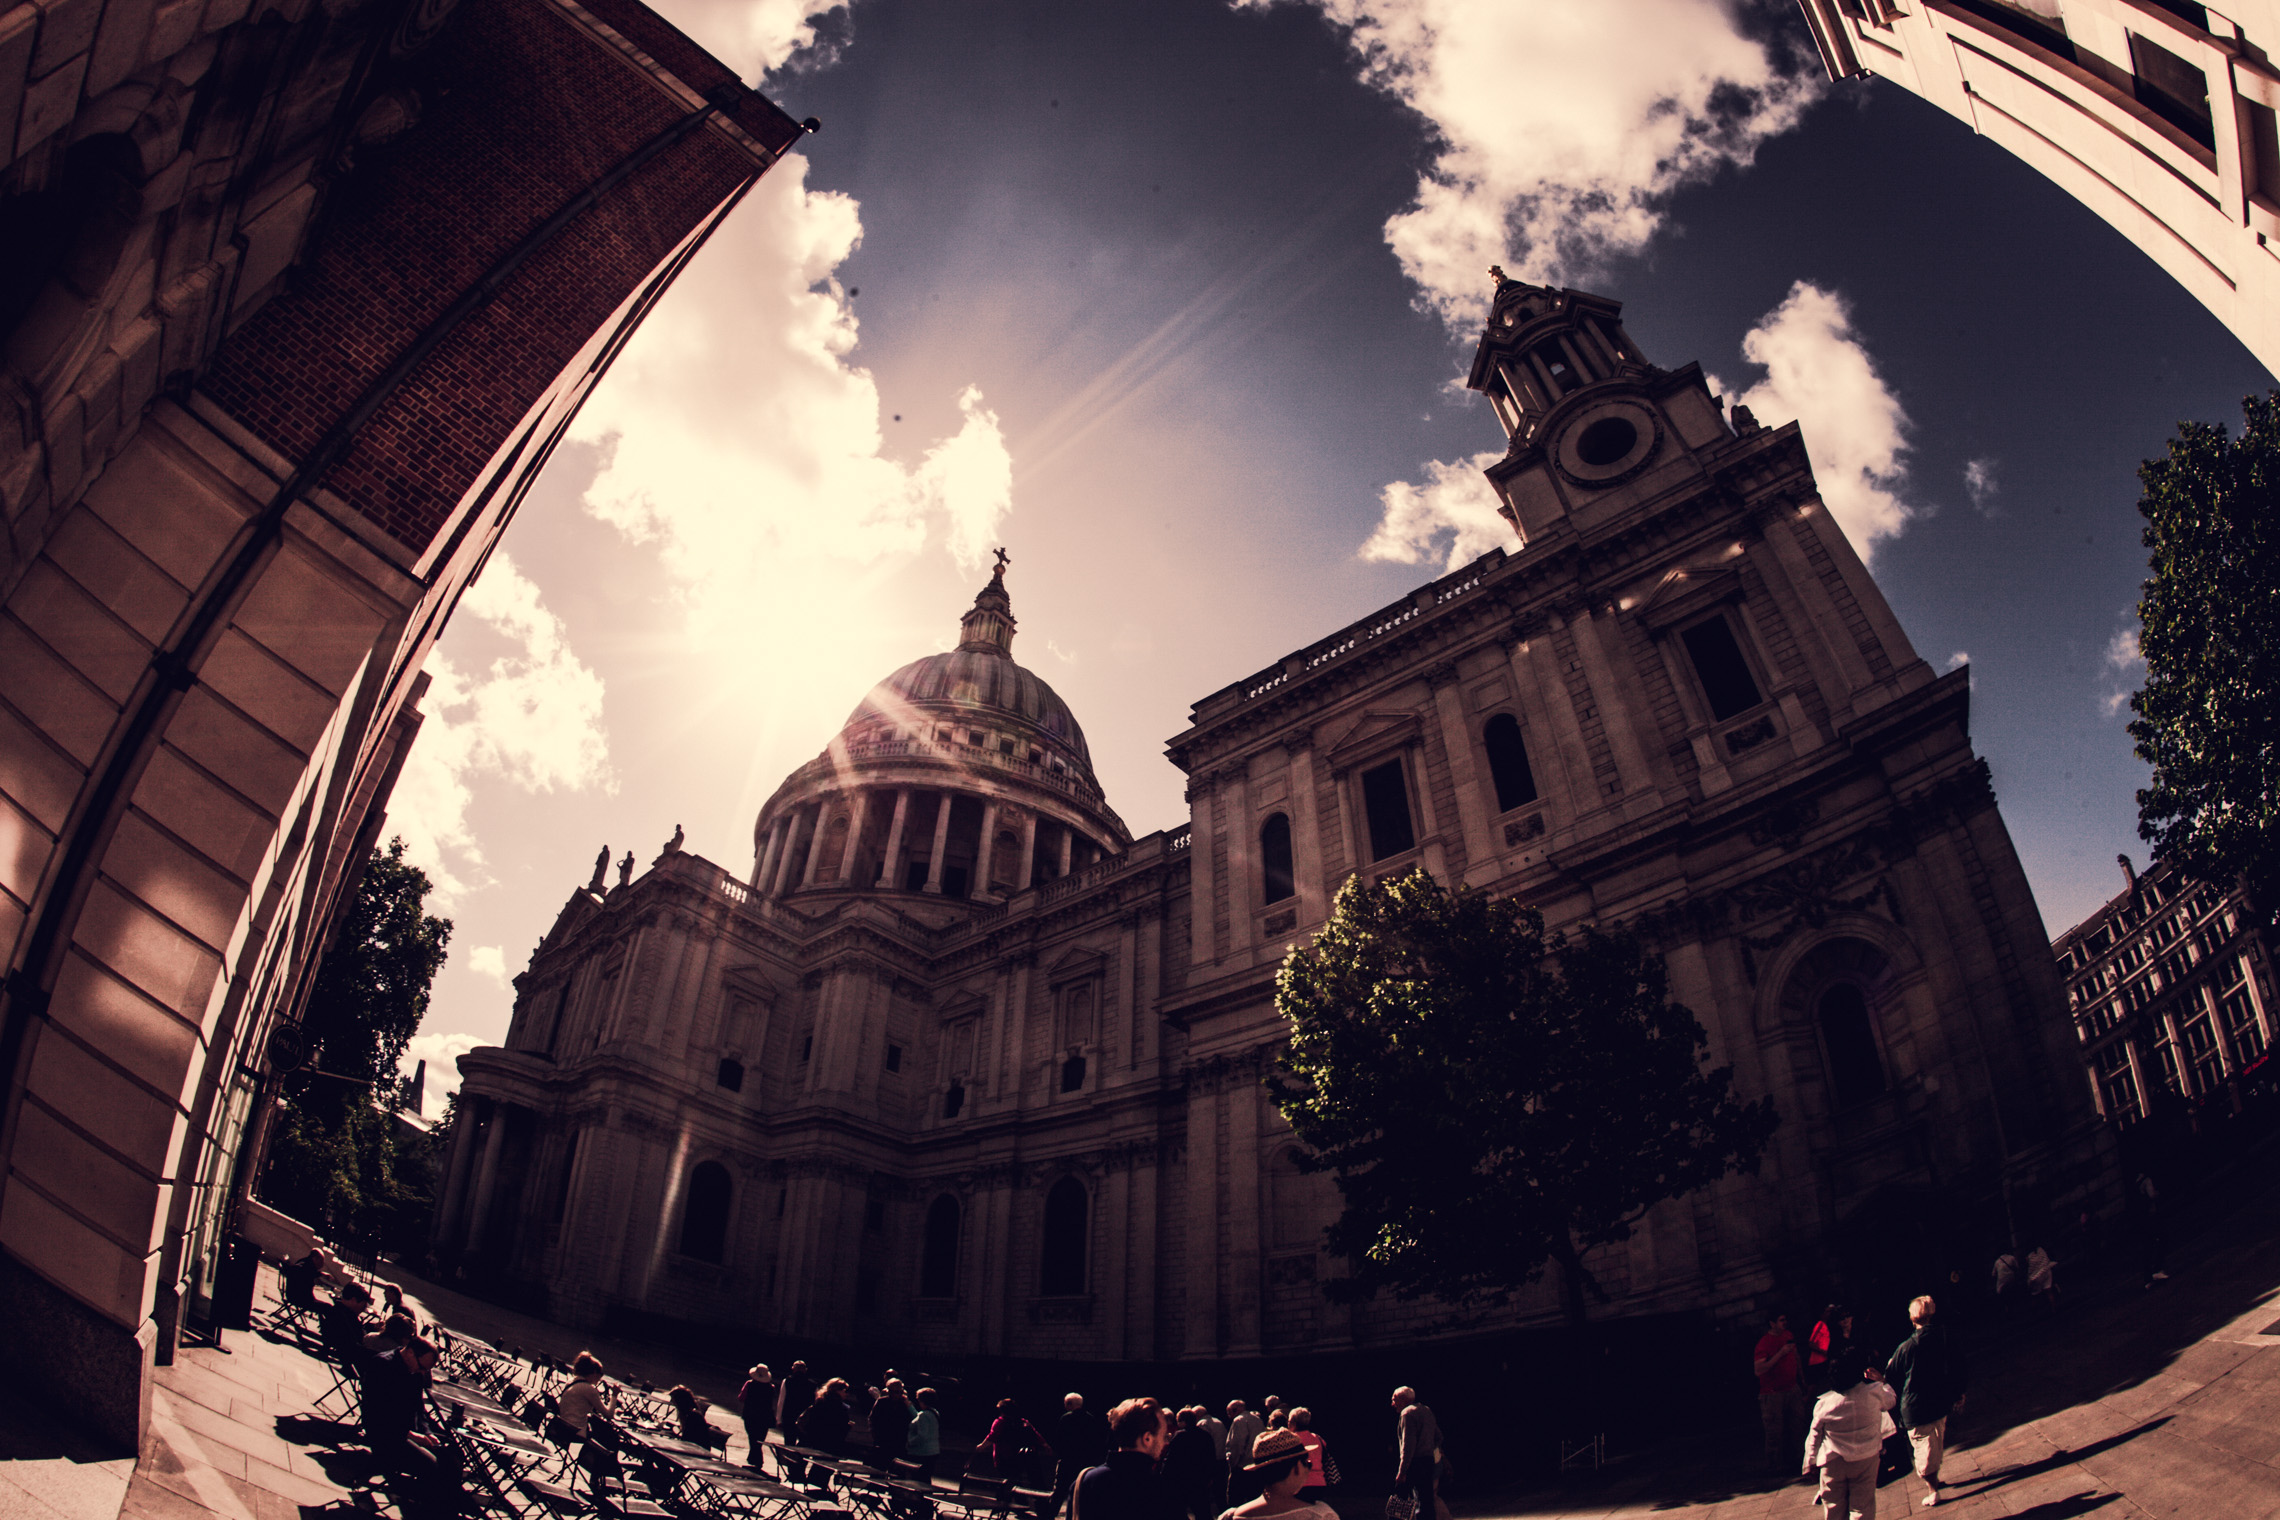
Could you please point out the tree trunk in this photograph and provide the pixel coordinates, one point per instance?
(1574, 1278)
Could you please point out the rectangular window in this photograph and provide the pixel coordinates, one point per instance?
(807, 1046)
(1385, 803)
(894, 1058)
(2172, 89)
(2119, 1084)
(1718, 664)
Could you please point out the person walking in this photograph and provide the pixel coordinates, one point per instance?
(890, 1423)
(1417, 1438)
(2042, 1278)
(1831, 1335)
(1080, 1441)
(1846, 1437)
(922, 1443)
(1321, 1471)
(1928, 1373)
(2145, 1216)
(1278, 1467)
(1243, 1431)
(1192, 1467)
(758, 1400)
(823, 1424)
(798, 1392)
(1009, 1438)
(1781, 1402)
(1126, 1485)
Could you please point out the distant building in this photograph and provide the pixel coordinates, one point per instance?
(2171, 988)
(956, 1067)
(2156, 114)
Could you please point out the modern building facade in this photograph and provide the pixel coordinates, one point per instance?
(294, 298)
(956, 1067)
(2159, 115)
(2171, 988)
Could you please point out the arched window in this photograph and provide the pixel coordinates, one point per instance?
(1062, 1270)
(938, 1252)
(1274, 853)
(1508, 762)
(704, 1213)
(1856, 1071)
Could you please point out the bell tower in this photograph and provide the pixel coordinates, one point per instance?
(1594, 426)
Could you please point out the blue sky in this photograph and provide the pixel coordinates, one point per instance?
(1165, 294)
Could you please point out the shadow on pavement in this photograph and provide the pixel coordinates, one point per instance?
(2003, 1477)
(2067, 1508)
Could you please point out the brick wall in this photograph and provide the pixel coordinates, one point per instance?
(526, 110)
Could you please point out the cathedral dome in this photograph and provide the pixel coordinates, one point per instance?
(965, 682)
(960, 776)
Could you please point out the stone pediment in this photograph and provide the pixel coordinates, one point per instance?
(1372, 734)
(1687, 593)
(1076, 966)
(751, 980)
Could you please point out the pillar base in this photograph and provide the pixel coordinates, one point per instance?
(68, 1359)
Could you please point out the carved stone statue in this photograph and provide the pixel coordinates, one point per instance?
(601, 867)
(673, 845)
(625, 870)
(1496, 273)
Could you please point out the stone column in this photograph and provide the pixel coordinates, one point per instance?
(985, 858)
(1203, 945)
(1473, 810)
(450, 1227)
(1115, 1257)
(859, 819)
(1534, 663)
(1203, 1255)
(1242, 861)
(1028, 850)
(941, 845)
(785, 855)
(1068, 847)
(891, 871)
(823, 811)
(1246, 1262)
(1305, 831)
(1615, 711)
(767, 856)
(1140, 1321)
(487, 1177)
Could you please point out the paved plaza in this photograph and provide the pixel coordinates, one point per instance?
(2127, 1401)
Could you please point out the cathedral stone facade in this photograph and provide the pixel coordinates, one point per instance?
(958, 1067)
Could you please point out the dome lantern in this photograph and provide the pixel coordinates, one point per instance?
(988, 626)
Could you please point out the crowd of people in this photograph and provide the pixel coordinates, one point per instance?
(1854, 1390)
(1199, 1465)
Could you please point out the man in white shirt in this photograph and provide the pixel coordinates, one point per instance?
(1845, 1439)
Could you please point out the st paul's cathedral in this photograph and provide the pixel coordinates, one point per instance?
(957, 1066)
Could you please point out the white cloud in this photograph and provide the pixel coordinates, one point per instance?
(490, 961)
(533, 717)
(1979, 481)
(442, 1053)
(1455, 499)
(1562, 128)
(1818, 375)
(739, 438)
(2126, 662)
(752, 37)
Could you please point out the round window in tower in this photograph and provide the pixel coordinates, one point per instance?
(1612, 439)
(1606, 441)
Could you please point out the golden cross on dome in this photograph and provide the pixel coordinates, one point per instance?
(1003, 560)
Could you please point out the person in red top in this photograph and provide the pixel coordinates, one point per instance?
(1781, 1402)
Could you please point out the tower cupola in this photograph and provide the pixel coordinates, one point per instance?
(988, 626)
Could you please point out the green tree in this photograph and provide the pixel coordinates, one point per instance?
(1490, 1100)
(2208, 715)
(334, 1158)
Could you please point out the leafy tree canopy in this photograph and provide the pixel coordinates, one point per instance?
(335, 1159)
(1491, 1100)
(2208, 715)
